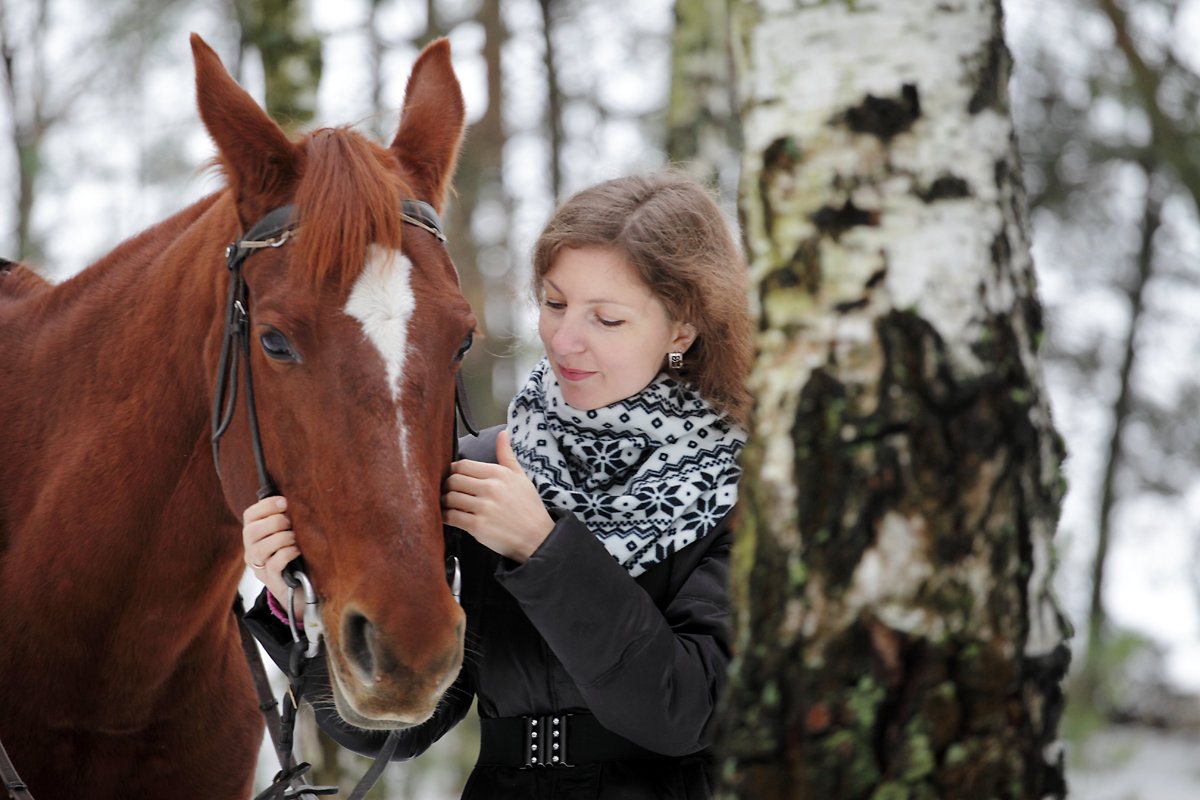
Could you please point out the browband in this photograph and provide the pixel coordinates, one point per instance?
(278, 226)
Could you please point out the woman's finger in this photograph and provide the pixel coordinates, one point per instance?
(264, 508)
(465, 484)
(280, 559)
(456, 518)
(260, 529)
(264, 548)
(474, 469)
(467, 503)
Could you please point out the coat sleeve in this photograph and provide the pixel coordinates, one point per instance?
(276, 640)
(650, 674)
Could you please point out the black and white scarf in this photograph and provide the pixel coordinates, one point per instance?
(648, 475)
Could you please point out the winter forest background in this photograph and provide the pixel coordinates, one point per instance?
(99, 138)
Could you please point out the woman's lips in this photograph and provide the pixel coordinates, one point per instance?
(574, 374)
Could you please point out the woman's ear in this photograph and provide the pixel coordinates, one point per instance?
(685, 334)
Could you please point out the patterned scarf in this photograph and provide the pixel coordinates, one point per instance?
(648, 475)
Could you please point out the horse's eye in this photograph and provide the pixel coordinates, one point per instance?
(464, 347)
(277, 346)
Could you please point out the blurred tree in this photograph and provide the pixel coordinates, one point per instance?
(22, 47)
(898, 636)
(554, 99)
(1113, 150)
(49, 69)
(702, 121)
(281, 32)
(478, 224)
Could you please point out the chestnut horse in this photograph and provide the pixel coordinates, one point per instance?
(121, 673)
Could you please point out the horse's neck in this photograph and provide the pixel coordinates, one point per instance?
(114, 353)
(113, 521)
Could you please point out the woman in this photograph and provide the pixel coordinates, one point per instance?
(597, 548)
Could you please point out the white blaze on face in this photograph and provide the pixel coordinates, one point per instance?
(382, 301)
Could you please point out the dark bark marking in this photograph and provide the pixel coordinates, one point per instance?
(946, 187)
(781, 155)
(847, 306)
(991, 83)
(934, 718)
(1043, 678)
(834, 222)
(802, 272)
(885, 117)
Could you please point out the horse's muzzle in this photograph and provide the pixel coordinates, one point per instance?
(380, 684)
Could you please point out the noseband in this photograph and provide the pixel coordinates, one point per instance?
(274, 230)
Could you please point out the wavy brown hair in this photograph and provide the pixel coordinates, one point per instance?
(672, 233)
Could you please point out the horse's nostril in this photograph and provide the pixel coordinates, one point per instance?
(359, 642)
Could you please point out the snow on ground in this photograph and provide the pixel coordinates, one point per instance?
(1132, 763)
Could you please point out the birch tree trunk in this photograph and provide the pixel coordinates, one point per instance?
(897, 633)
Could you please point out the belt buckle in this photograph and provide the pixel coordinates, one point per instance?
(546, 740)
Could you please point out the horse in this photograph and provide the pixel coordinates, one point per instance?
(121, 672)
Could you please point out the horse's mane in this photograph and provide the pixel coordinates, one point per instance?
(348, 199)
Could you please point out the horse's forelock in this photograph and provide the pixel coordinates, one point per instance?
(348, 199)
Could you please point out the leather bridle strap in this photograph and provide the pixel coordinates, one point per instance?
(262, 686)
(273, 230)
(15, 788)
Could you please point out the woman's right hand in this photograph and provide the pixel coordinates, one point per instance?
(269, 546)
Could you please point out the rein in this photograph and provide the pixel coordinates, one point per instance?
(15, 788)
(274, 230)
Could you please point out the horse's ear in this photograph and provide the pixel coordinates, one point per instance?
(260, 161)
(431, 123)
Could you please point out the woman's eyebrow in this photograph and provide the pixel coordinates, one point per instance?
(592, 300)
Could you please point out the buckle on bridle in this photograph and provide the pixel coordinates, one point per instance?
(313, 629)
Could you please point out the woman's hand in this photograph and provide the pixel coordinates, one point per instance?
(270, 545)
(497, 504)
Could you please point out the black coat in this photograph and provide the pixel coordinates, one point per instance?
(570, 631)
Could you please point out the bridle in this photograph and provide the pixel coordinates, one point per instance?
(274, 230)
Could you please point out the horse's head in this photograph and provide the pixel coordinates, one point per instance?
(356, 329)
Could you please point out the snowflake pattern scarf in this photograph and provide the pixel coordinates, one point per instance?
(648, 475)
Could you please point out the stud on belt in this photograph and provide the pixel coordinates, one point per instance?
(546, 740)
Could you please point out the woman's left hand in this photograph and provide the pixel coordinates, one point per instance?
(497, 504)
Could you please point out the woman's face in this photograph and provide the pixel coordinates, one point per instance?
(605, 332)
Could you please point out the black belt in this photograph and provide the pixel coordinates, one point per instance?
(553, 740)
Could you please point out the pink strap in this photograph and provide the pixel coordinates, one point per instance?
(279, 611)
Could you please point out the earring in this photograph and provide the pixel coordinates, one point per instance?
(675, 360)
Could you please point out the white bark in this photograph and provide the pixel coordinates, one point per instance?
(934, 199)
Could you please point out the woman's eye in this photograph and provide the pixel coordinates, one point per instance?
(464, 347)
(277, 346)
(611, 323)
(554, 305)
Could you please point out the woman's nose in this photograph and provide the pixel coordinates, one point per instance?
(567, 337)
